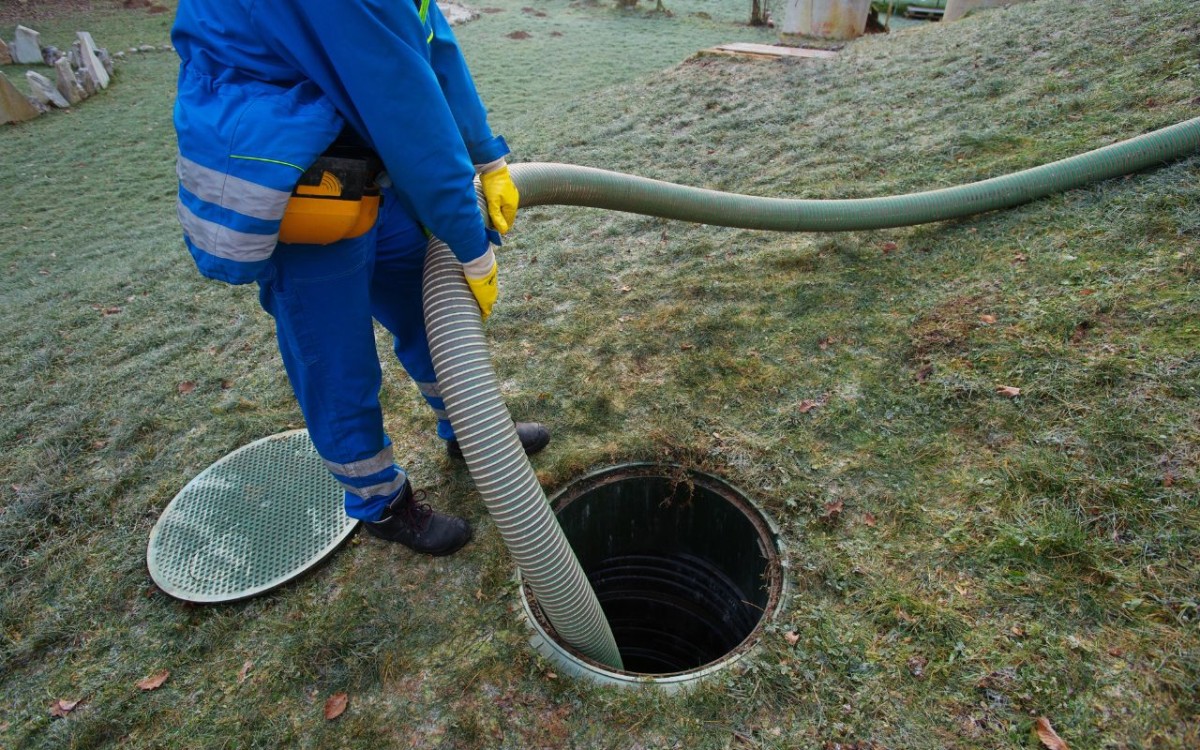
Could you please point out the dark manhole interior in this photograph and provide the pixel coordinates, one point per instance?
(684, 566)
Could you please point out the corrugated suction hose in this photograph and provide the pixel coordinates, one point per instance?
(485, 430)
(497, 462)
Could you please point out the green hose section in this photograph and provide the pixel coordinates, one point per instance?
(564, 184)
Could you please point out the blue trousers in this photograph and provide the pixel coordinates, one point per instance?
(324, 299)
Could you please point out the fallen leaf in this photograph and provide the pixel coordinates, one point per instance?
(1168, 480)
(924, 373)
(551, 676)
(869, 519)
(685, 347)
(244, 672)
(1008, 391)
(1086, 292)
(917, 664)
(824, 343)
(792, 637)
(336, 705)
(625, 289)
(1020, 258)
(807, 405)
(1047, 735)
(186, 387)
(154, 681)
(61, 708)
(889, 247)
(833, 510)
(987, 319)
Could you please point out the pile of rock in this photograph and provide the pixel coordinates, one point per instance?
(78, 74)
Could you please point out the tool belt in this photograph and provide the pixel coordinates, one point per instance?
(337, 198)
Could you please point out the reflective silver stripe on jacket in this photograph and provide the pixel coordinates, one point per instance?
(364, 468)
(224, 242)
(231, 192)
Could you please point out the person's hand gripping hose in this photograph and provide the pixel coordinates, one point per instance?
(500, 193)
(481, 278)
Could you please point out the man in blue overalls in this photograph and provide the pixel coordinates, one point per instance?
(266, 88)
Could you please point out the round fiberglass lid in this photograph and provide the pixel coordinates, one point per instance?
(257, 518)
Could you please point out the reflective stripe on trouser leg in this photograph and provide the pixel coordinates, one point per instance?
(318, 295)
(396, 302)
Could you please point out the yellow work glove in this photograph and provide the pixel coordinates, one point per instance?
(481, 278)
(500, 193)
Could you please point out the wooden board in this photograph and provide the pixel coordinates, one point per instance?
(771, 50)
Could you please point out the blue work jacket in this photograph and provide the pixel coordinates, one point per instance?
(265, 86)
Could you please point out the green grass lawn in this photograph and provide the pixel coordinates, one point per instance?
(996, 560)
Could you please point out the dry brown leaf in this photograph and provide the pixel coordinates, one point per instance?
(336, 705)
(826, 342)
(889, 247)
(154, 681)
(807, 405)
(1008, 391)
(61, 708)
(1047, 735)
(987, 319)
(1168, 480)
(244, 672)
(186, 387)
(869, 519)
(833, 510)
(1087, 292)
(917, 664)
(792, 637)
(551, 676)
(686, 347)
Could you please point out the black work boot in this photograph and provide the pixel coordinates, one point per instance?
(414, 524)
(533, 437)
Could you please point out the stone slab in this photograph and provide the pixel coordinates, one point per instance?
(44, 90)
(14, 107)
(774, 50)
(66, 82)
(27, 48)
(89, 59)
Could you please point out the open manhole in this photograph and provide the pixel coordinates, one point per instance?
(686, 569)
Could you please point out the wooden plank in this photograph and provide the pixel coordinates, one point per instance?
(771, 50)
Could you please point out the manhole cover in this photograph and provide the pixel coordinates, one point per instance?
(254, 520)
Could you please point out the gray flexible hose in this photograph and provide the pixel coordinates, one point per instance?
(497, 462)
(469, 386)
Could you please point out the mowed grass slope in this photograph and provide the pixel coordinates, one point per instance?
(961, 561)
